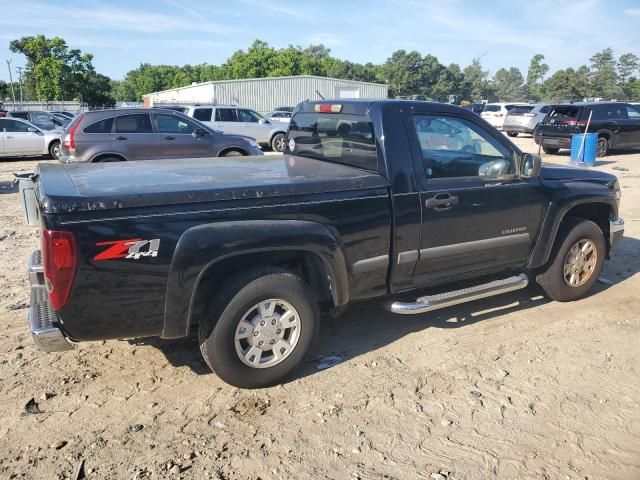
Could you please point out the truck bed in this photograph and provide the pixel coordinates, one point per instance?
(88, 187)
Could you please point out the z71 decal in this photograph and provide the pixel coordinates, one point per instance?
(132, 248)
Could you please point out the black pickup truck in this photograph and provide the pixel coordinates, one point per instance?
(372, 199)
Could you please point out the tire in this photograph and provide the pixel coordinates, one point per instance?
(278, 143)
(550, 150)
(55, 150)
(238, 301)
(573, 232)
(232, 153)
(512, 134)
(108, 160)
(603, 147)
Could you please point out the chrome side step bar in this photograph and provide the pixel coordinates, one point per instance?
(455, 297)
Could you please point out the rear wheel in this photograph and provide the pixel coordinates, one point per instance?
(55, 150)
(259, 328)
(550, 150)
(512, 134)
(578, 259)
(278, 142)
(603, 147)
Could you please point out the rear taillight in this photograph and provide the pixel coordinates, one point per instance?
(70, 138)
(576, 123)
(60, 257)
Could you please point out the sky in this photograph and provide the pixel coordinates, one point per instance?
(503, 33)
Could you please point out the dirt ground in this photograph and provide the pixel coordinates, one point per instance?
(511, 387)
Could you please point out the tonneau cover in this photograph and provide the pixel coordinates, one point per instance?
(105, 186)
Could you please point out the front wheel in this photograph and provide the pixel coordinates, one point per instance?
(578, 259)
(512, 134)
(259, 328)
(278, 142)
(550, 150)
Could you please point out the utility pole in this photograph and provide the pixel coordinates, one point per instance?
(13, 93)
(19, 69)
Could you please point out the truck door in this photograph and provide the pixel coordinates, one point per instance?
(629, 127)
(478, 215)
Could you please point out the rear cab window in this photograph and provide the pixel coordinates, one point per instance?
(565, 112)
(335, 137)
(520, 109)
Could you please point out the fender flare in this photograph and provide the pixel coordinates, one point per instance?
(554, 217)
(201, 247)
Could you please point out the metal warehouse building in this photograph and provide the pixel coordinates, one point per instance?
(265, 94)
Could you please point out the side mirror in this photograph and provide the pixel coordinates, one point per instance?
(199, 132)
(32, 130)
(263, 121)
(530, 165)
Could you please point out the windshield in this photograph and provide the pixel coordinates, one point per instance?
(565, 111)
(340, 138)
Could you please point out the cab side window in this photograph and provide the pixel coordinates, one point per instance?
(455, 147)
(13, 126)
(203, 114)
(136, 123)
(226, 115)
(248, 116)
(633, 112)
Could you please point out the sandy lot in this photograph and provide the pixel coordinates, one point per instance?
(512, 387)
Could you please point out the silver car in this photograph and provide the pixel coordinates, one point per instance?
(147, 134)
(20, 138)
(242, 121)
(524, 118)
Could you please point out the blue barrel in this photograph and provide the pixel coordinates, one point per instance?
(587, 154)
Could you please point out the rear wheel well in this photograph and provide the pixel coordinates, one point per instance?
(307, 265)
(100, 158)
(598, 213)
(222, 153)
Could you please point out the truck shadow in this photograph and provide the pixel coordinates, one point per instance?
(366, 326)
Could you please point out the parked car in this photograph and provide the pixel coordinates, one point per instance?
(475, 107)
(20, 138)
(147, 134)
(524, 118)
(279, 116)
(251, 249)
(69, 115)
(241, 121)
(495, 113)
(43, 120)
(617, 125)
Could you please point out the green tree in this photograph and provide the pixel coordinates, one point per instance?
(477, 81)
(55, 72)
(535, 75)
(404, 73)
(628, 65)
(604, 78)
(509, 84)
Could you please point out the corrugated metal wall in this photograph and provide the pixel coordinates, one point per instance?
(265, 94)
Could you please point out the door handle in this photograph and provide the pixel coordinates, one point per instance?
(441, 201)
(169, 137)
(120, 138)
(8, 136)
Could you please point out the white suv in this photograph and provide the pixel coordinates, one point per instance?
(241, 121)
(495, 113)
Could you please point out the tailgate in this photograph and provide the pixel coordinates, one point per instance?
(27, 188)
(562, 121)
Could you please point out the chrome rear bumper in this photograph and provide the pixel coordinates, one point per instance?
(43, 320)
